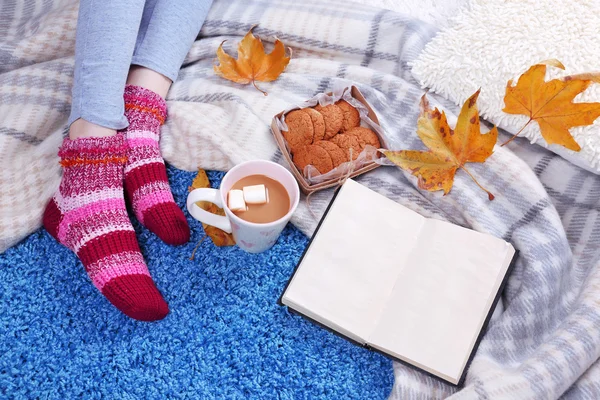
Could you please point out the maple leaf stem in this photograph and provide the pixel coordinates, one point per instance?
(490, 195)
(259, 89)
(196, 248)
(516, 134)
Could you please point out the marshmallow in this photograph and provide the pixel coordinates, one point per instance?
(236, 200)
(256, 194)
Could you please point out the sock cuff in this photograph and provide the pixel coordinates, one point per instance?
(93, 150)
(146, 101)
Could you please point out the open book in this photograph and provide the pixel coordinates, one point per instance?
(416, 289)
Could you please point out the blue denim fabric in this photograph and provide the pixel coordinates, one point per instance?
(114, 34)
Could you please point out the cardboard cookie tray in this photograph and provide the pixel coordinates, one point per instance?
(305, 186)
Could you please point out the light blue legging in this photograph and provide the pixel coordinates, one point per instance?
(112, 35)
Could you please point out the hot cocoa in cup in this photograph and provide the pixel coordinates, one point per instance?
(258, 197)
(274, 204)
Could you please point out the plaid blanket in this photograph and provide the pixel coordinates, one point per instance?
(544, 340)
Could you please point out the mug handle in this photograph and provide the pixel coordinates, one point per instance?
(212, 196)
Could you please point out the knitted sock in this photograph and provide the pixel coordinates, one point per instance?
(88, 215)
(146, 184)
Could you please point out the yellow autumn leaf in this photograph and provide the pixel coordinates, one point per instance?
(220, 238)
(449, 149)
(550, 104)
(252, 64)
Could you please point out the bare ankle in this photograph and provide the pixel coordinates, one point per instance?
(149, 79)
(84, 129)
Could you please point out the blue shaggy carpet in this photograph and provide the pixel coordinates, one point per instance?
(224, 338)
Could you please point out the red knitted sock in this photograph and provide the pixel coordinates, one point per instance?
(146, 183)
(88, 215)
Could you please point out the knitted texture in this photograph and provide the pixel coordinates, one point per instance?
(88, 215)
(146, 183)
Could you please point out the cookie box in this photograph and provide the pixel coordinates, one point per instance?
(357, 160)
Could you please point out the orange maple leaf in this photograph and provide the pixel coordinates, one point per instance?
(253, 64)
(550, 103)
(449, 149)
(219, 238)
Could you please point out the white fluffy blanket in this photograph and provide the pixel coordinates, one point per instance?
(493, 41)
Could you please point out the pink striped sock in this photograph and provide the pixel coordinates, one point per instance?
(146, 183)
(88, 215)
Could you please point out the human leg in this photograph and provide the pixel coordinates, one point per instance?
(166, 35)
(168, 31)
(104, 44)
(87, 213)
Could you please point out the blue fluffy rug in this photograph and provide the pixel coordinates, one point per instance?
(225, 336)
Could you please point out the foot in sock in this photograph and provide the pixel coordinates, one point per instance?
(146, 184)
(88, 215)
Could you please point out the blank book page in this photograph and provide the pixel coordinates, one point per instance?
(347, 275)
(441, 298)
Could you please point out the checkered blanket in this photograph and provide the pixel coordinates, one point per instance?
(544, 340)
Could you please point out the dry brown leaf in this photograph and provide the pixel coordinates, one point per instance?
(253, 64)
(550, 103)
(449, 149)
(219, 237)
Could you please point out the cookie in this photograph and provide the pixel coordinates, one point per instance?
(318, 123)
(351, 115)
(313, 155)
(300, 130)
(338, 156)
(347, 142)
(365, 137)
(333, 117)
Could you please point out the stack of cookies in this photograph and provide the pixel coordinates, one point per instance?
(326, 137)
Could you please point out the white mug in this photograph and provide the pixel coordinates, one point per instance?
(249, 236)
